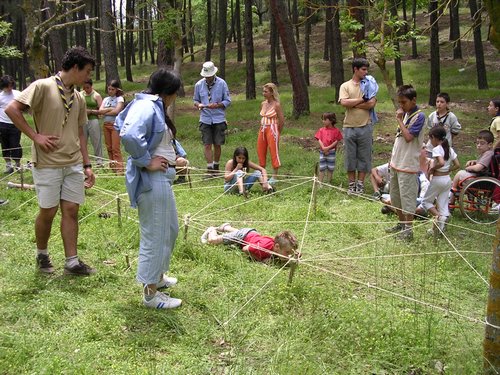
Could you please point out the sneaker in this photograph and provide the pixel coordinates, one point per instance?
(395, 229)
(4, 202)
(204, 236)
(166, 282)
(9, 170)
(209, 174)
(376, 195)
(360, 188)
(81, 269)
(405, 235)
(162, 301)
(44, 264)
(271, 181)
(352, 188)
(386, 210)
(221, 227)
(438, 225)
(180, 180)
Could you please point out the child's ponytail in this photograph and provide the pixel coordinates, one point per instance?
(439, 133)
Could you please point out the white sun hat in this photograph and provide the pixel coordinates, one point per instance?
(208, 70)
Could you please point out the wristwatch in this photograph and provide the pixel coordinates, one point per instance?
(86, 166)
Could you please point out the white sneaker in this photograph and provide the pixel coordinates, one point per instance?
(204, 236)
(162, 301)
(166, 282)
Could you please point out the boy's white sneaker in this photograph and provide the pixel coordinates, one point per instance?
(162, 301)
(204, 236)
(166, 282)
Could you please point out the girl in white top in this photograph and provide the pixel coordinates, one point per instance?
(10, 136)
(444, 160)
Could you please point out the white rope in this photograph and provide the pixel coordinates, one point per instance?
(399, 295)
(394, 256)
(254, 296)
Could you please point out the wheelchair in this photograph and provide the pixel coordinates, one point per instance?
(479, 197)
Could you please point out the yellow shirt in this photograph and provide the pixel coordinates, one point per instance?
(354, 117)
(48, 110)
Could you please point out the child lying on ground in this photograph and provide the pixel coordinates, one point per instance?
(261, 248)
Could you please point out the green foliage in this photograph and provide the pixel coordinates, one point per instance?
(7, 51)
(167, 27)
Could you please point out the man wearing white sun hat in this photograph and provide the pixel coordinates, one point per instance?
(211, 97)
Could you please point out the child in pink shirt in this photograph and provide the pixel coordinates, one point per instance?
(328, 137)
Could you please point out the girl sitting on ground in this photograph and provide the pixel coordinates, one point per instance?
(236, 177)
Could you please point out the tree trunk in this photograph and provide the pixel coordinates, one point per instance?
(300, 90)
(238, 31)
(397, 60)
(414, 53)
(482, 81)
(249, 52)
(97, 36)
(435, 79)
(356, 11)
(120, 35)
(54, 40)
(328, 30)
(336, 61)
(109, 42)
(455, 29)
(191, 33)
(273, 37)
(380, 59)
(140, 34)
(307, 39)
(295, 20)
(129, 39)
(208, 32)
(222, 37)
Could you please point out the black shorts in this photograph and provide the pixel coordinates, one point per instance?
(214, 134)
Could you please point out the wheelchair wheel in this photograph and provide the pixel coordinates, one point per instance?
(476, 200)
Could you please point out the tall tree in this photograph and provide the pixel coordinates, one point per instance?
(455, 29)
(493, 8)
(414, 52)
(295, 19)
(397, 59)
(285, 30)
(482, 81)
(129, 38)
(238, 32)
(356, 10)
(108, 42)
(336, 61)
(97, 12)
(307, 42)
(435, 80)
(273, 41)
(208, 32)
(222, 37)
(38, 30)
(249, 52)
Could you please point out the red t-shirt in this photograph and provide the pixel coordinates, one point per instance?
(256, 241)
(328, 135)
